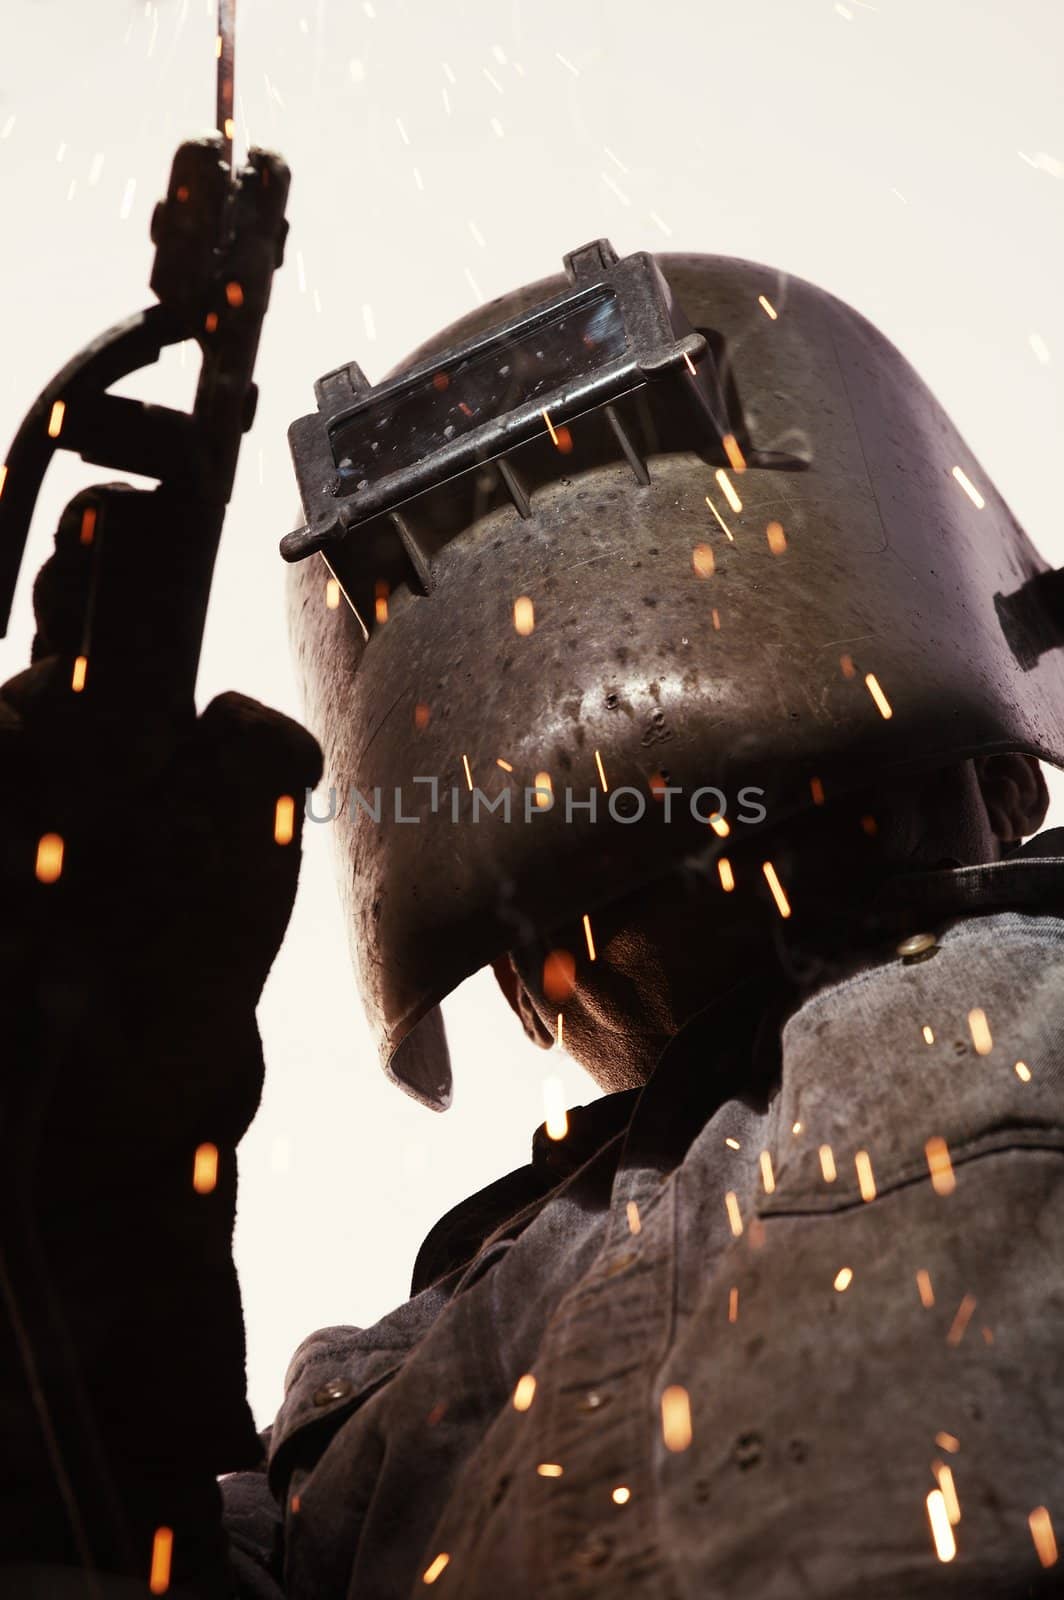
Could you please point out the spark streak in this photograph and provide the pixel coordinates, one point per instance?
(588, 937)
(980, 1031)
(941, 1532)
(1045, 1542)
(55, 420)
(727, 489)
(676, 1418)
(524, 1392)
(162, 1548)
(969, 488)
(49, 866)
(768, 308)
(284, 819)
(883, 705)
(205, 1168)
(435, 1567)
(782, 903)
(943, 1179)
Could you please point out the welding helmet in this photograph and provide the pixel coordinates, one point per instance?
(670, 522)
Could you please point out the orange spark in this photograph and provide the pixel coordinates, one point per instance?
(768, 1177)
(733, 1305)
(969, 488)
(55, 420)
(846, 663)
(928, 1033)
(733, 1144)
(549, 1469)
(727, 876)
(827, 1163)
(435, 1567)
(88, 525)
(468, 773)
(162, 1549)
(941, 1532)
(234, 294)
(980, 1031)
(816, 789)
(715, 614)
(332, 594)
(865, 1181)
(555, 1118)
(843, 1279)
(81, 667)
(676, 1418)
(961, 1320)
(601, 773)
(727, 489)
(719, 826)
(1045, 1542)
(632, 1212)
(211, 321)
(560, 1030)
(421, 715)
(944, 1479)
(782, 903)
(284, 819)
(731, 1205)
(777, 539)
(49, 858)
(736, 459)
(524, 615)
(924, 1289)
(883, 705)
(587, 936)
(947, 1441)
(380, 604)
(544, 790)
(767, 307)
(205, 1168)
(524, 1392)
(943, 1180)
(621, 1495)
(229, 127)
(703, 561)
(724, 526)
(505, 765)
(1023, 1072)
(690, 364)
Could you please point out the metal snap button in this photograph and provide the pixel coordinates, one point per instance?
(918, 946)
(335, 1389)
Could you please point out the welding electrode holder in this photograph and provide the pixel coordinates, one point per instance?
(218, 243)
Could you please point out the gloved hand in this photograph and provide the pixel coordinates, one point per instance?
(132, 957)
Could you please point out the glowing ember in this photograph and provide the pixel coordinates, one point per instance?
(719, 826)
(928, 1033)
(924, 1289)
(980, 1031)
(767, 307)
(865, 1181)
(524, 1392)
(676, 1418)
(549, 1469)
(727, 876)
(234, 294)
(777, 539)
(1023, 1072)
(724, 526)
(544, 790)
(524, 615)
(846, 663)
(77, 680)
(727, 489)
(883, 705)
(505, 765)
(587, 936)
(1045, 1542)
(733, 1144)
(943, 1180)
(55, 420)
(332, 594)
(782, 903)
(205, 1168)
(703, 561)
(736, 459)
(468, 773)
(768, 1177)
(843, 1279)
(621, 1495)
(816, 789)
(559, 974)
(961, 1320)
(733, 1305)
(560, 1031)
(88, 525)
(715, 615)
(49, 858)
(601, 773)
(162, 1549)
(433, 1570)
(421, 715)
(556, 1119)
(735, 1221)
(690, 364)
(210, 322)
(380, 604)
(229, 128)
(632, 1213)
(827, 1163)
(941, 1532)
(944, 1479)
(797, 1128)
(947, 1441)
(284, 820)
(969, 488)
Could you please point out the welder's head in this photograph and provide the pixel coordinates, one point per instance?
(625, 982)
(618, 574)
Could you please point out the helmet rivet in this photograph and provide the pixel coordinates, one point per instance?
(917, 945)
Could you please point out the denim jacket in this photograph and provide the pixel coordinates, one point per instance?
(808, 1277)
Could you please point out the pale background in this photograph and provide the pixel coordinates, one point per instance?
(907, 155)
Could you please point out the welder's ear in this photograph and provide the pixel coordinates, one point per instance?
(512, 986)
(1014, 793)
